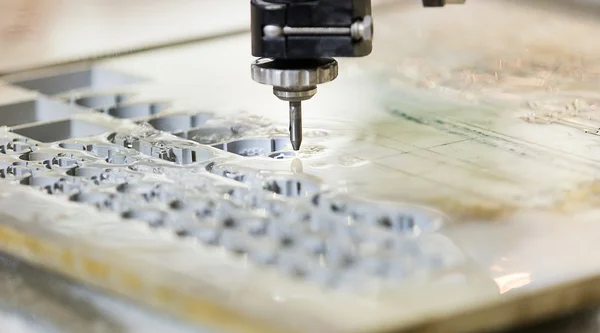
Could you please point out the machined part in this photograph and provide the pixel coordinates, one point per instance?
(295, 95)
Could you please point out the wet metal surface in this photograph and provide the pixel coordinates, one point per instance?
(287, 220)
(200, 191)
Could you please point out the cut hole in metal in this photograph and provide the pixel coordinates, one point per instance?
(61, 130)
(179, 122)
(291, 187)
(283, 155)
(72, 145)
(101, 102)
(154, 217)
(137, 110)
(96, 78)
(254, 147)
(209, 135)
(32, 111)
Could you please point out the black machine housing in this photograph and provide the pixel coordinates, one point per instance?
(308, 13)
(311, 14)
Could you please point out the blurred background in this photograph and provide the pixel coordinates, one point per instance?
(41, 32)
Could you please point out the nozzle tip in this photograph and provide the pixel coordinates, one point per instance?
(296, 125)
(296, 145)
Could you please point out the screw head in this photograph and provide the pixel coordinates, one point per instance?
(272, 31)
(362, 30)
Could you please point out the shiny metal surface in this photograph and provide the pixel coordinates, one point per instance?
(294, 82)
(316, 31)
(296, 125)
(363, 29)
(290, 74)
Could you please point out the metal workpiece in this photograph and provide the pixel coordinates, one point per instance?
(294, 82)
(135, 187)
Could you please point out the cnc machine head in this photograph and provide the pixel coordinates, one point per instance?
(311, 29)
(297, 40)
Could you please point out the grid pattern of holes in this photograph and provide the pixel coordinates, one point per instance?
(284, 222)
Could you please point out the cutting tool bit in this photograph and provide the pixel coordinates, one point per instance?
(294, 81)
